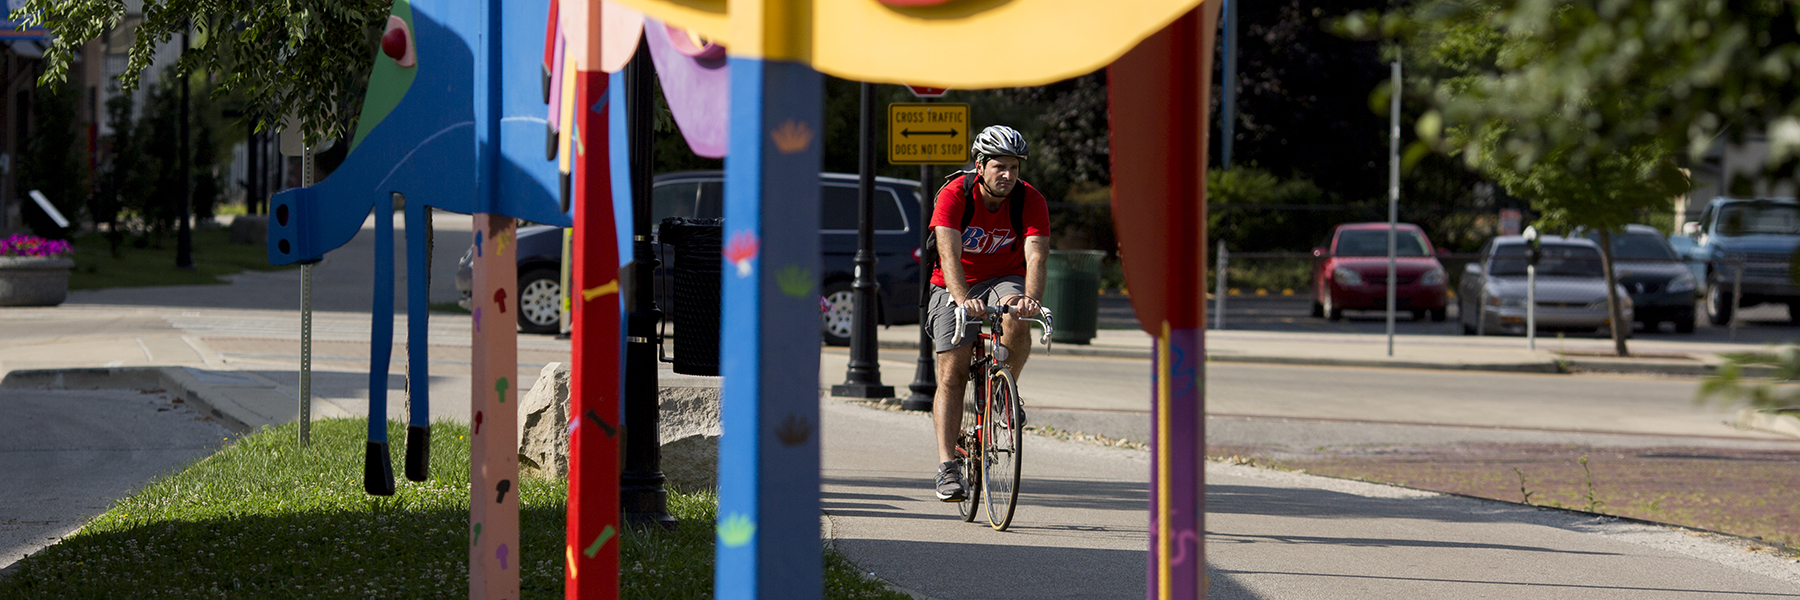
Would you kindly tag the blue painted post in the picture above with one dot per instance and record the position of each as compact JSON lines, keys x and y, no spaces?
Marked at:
{"x":768,"y":544}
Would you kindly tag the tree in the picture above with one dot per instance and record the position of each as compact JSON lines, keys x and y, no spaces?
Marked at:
{"x":121,"y":176}
{"x":52,"y":161}
{"x":310,"y":57}
{"x":1480,"y":72}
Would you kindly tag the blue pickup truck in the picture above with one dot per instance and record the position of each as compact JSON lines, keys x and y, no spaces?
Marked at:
{"x":1752,"y":237}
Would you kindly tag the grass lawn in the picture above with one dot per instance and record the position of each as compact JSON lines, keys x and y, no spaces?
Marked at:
{"x":263,"y":519}
{"x":214,"y":255}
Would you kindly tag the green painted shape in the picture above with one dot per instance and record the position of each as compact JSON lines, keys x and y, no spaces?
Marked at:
{"x":605,"y":534}
{"x":477,"y":540}
{"x":500,"y":386}
{"x":795,"y":281}
{"x":388,"y":81}
{"x":736,"y":530}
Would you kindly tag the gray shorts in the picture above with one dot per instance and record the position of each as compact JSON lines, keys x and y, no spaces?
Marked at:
{"x":943,"y":312}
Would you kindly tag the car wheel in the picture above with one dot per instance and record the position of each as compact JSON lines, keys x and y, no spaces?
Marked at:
{"x":1332,"y":312}
{"x":1718,"y":305}
{"x":540,"y":301}
{"x":1318,"y":309}
{"x":1439,"y":314}
{"x":1418,"y":314}
{"x":835,"y":321}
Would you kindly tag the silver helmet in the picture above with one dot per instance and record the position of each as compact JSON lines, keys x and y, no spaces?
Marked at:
{"x":999,"y":140}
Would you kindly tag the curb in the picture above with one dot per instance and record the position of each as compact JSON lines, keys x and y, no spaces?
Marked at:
{"x":173,"y":379}
{"x":1762,"y":420}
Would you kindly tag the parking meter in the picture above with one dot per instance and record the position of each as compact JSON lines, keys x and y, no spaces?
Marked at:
{"x":1535,"y":251}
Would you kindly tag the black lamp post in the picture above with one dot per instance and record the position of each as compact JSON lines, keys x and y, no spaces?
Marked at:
{"x":184,"y":237}
{"x":641,"y":493}
{"x":863,"y":378}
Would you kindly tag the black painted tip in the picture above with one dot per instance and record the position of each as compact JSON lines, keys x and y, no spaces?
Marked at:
{"x":378,"y":472}
{"x":551,"y":142}
{"x":418,"y":452}
{"x":566,"y":192}
{"x":547,"y":84}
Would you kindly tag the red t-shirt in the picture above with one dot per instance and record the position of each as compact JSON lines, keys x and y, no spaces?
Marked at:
{"x":986,"y":252}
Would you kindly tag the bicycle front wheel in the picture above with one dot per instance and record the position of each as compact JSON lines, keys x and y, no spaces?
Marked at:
{"x":1002,"y":448}
{"x":969,"y":448}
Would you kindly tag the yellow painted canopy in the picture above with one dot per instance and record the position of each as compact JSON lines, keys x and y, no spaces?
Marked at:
{"x":959,"y":43}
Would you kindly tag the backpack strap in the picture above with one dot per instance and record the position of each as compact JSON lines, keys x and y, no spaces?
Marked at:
{"x":1017,"y":208}
{"x":968,"y":181}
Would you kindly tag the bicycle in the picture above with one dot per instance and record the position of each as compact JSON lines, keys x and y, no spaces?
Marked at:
{"x":991,"y":448}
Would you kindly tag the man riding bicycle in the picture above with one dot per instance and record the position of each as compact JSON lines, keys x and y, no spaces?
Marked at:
{"x":1004,"y":226}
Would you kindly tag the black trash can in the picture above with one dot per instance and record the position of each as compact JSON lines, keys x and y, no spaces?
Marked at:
{"x":1073,"y":294}
{"x":696,"y":295}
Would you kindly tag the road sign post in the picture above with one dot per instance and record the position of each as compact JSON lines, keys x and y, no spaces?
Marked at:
{"x":935,"y":133}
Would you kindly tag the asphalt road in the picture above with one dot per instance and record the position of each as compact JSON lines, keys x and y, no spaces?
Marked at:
{"x":67,"y":455}
{"x":1304,"y":406}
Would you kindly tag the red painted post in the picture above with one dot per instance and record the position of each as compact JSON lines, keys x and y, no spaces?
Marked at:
{"x":1158,"y":110}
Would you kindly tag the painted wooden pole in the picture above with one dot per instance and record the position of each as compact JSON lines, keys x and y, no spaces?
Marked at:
{"x":768,"y":531}
{"x":494,"y":447}
{"x":596,"y":326}
{"x":1158,"y":105}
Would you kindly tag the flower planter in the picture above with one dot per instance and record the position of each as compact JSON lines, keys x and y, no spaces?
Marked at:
{"x":34,"y":281}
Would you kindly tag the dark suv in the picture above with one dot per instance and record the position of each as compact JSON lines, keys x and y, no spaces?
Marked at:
{"x":700,"y":195}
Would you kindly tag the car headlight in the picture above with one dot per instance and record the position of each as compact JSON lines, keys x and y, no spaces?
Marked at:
{"x":1506,"y":301}
{"x":1433,"y":277}
{"x":1681,"y":283}
{"x":1345,"y":276}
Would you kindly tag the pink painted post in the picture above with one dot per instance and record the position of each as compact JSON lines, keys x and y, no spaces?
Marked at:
{"x":494,"y":402}
{"x":1158,"y":110}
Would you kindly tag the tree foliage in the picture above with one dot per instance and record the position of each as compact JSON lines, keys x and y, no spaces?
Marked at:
{"x":1592,"y":77}
{"x":308,"y":57}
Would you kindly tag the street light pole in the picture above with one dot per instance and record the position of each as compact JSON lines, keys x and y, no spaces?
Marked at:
{"x":641,"y":493}
{"x":862,"y":379}
{"x":184,"y":238}
{"x":924,"y":385}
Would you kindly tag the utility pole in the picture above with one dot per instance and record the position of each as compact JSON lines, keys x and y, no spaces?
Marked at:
{"x":862,"y":379}
{"x":184,"y":239}
{"x":1228,"y":84}
{"x":1393,"y":197}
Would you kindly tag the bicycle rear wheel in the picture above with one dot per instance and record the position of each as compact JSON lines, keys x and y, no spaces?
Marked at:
{"x":1002,"y":448}
{"x":969,"y":447}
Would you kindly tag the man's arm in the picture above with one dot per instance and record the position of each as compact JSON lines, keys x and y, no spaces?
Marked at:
{"x":1037,"y":260}
{"x":949,"y":244}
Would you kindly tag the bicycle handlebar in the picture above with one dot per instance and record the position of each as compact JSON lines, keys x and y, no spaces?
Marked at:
{"x":994,"y":312}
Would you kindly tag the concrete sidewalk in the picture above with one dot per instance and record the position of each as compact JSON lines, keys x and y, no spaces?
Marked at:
{"x":1472,"y":353}
{"x":1080,"y":532}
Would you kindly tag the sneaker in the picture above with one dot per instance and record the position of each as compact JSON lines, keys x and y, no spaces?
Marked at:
{"x":950,"y":486}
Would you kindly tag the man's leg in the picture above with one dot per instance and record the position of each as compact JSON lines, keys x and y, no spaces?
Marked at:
{"x":1018,"y":343}
{"x":947,"y":406}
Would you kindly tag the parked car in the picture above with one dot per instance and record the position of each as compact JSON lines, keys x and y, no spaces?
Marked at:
{"x":700,"y":195}
{"x":1571,"y":288}
{"x":1662,"y":288}
{"x":1760,"y":236}
{"x":1350,"y":272}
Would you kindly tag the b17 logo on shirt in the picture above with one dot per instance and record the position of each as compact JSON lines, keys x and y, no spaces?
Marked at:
{"x":980,"y":241}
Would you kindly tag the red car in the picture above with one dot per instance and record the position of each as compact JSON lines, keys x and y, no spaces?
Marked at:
{"x":1350,"y":272}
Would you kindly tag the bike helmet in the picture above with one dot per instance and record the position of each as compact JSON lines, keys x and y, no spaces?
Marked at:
{"x":999,"y":140}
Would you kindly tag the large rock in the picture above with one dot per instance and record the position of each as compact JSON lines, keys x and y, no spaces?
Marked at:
{"x":688,"y":430}
{"x":249,"y":229}
{"x":544,"y":447}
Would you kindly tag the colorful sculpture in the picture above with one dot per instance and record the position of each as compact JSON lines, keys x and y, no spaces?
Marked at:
{"x":768,"y":467}
{"x":453,"y":120}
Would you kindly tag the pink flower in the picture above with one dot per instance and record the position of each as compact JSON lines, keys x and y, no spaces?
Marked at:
{"x":33,"y":246}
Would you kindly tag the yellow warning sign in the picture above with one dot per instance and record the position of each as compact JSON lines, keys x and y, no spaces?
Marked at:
{"x":935,"y":133}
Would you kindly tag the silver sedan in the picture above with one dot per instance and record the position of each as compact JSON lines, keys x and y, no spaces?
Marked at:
{"x":1571,"y":291}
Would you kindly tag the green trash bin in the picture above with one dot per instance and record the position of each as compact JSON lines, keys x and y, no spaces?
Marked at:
{"x":1073,"y":294}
